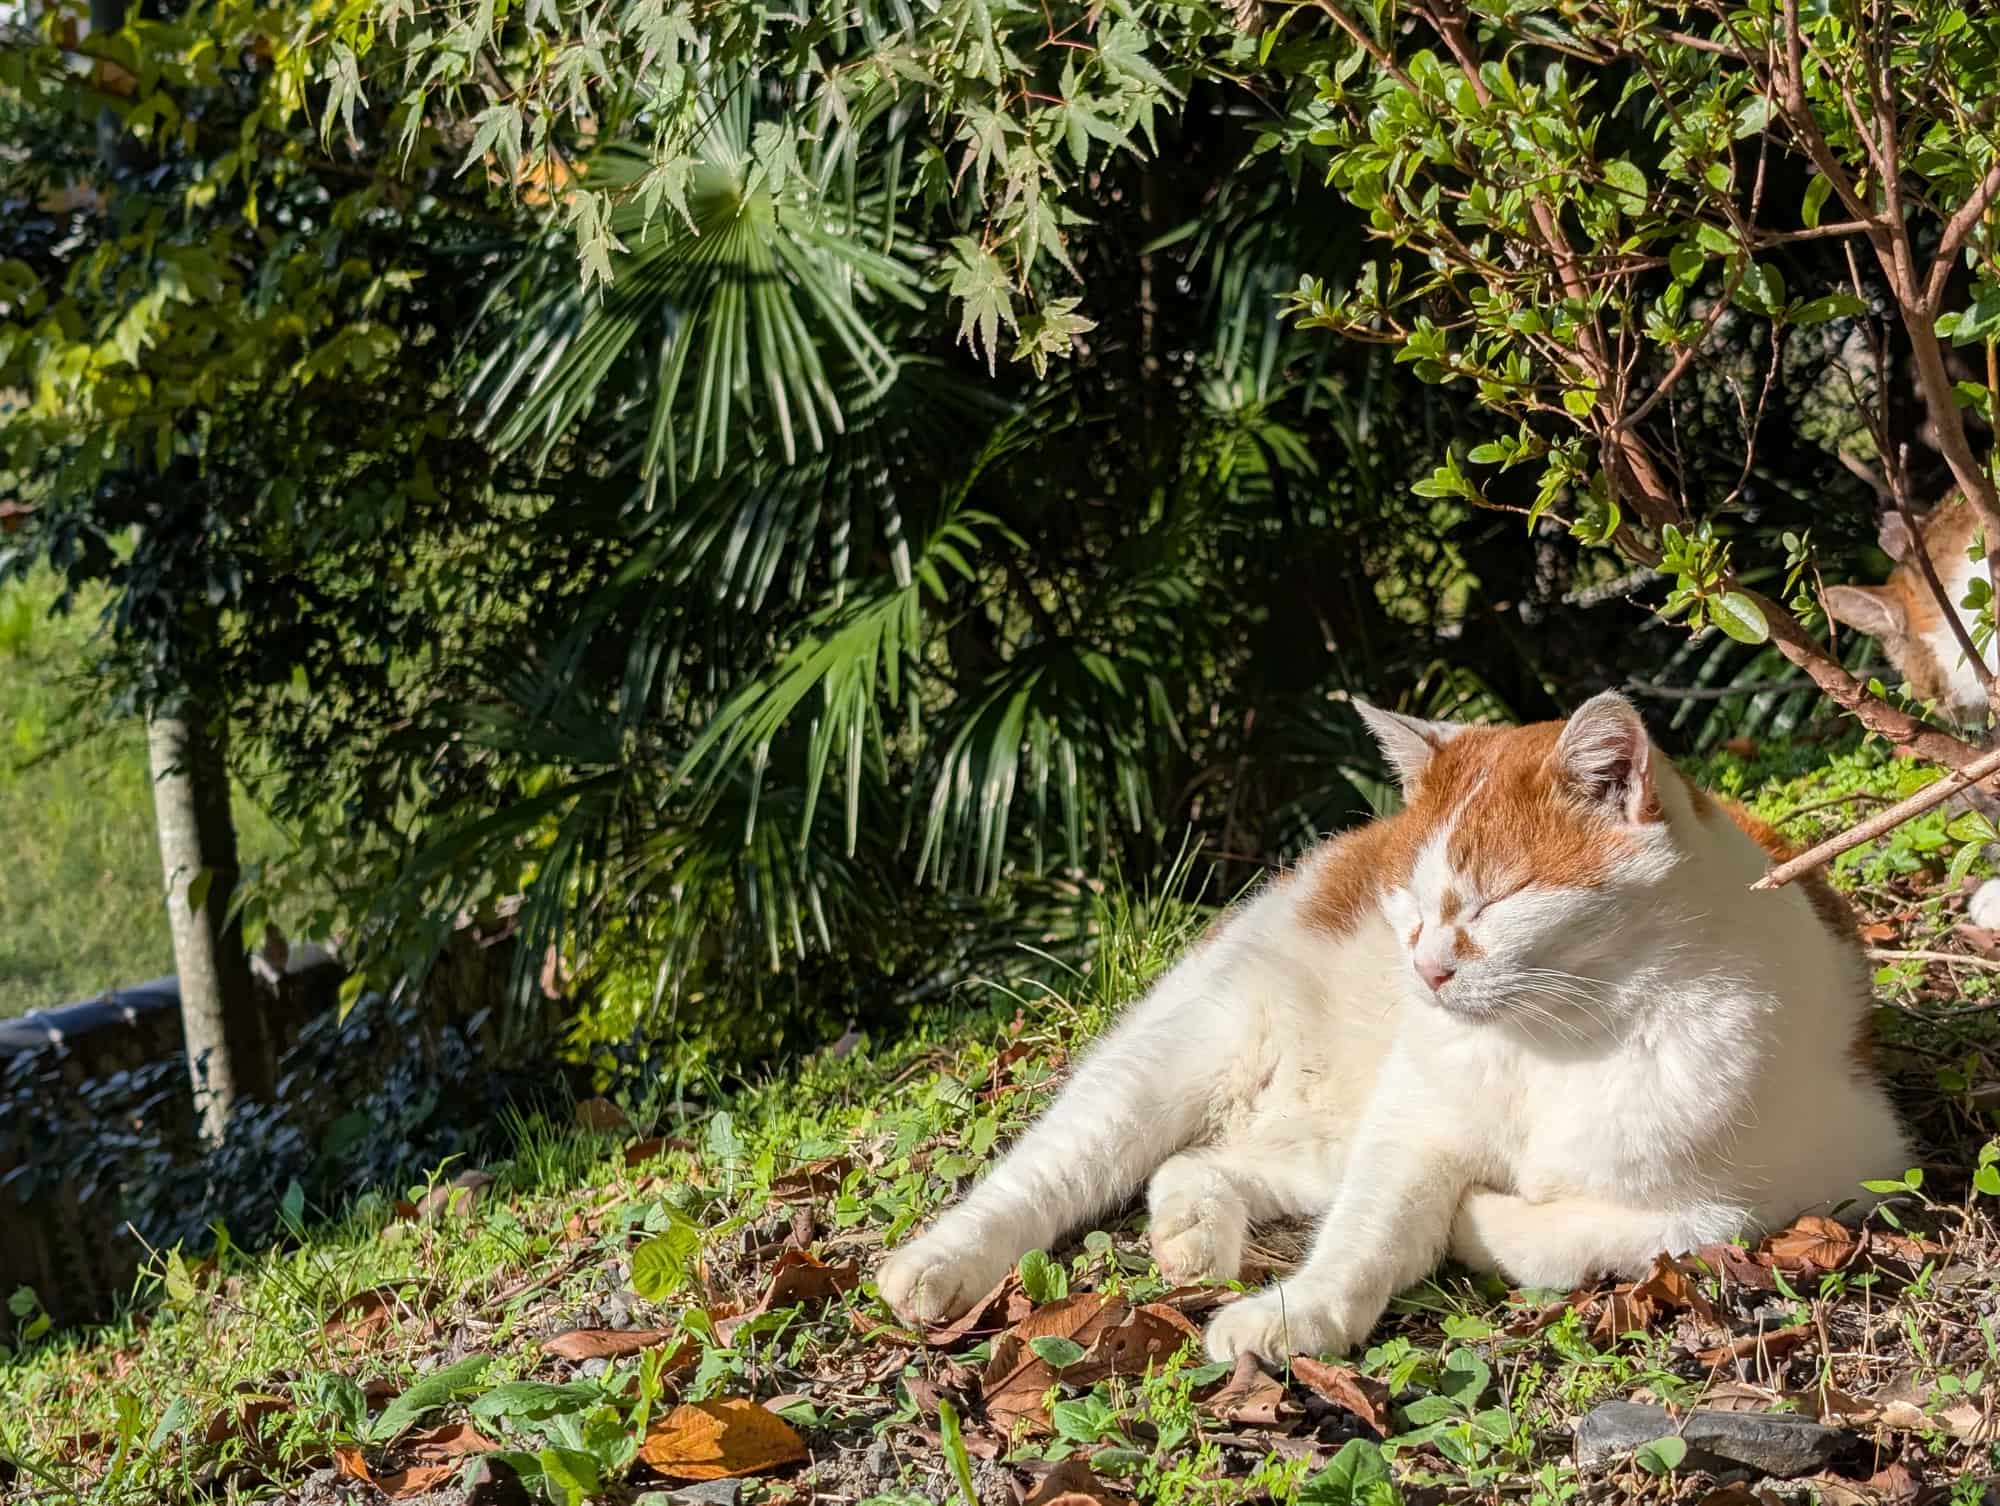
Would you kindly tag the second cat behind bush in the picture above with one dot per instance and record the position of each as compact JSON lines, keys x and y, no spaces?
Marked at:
{"x":1903,"y":615}
{"x":1535,"y":1020}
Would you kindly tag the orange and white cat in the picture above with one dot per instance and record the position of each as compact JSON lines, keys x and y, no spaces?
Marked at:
{"x":1904,"y":617}
{"x":1535,"y":1020}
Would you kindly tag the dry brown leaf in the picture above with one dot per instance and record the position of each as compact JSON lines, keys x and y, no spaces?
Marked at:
{"x":1738,"y":1495}
{"x":1636,"y":1306}
{"x":369,"y":1312}
{"x":802,"y":1278}
{"x":436,"y":1455}
{"x":979,"y":1442}
{"x":452,"y":1441}
{"x":1876,"y":932}
{"x":601,"y":1116}
{"x":1144,"y":1337}
{"x":1738,"y":1265}
{"x":799,"y":1279}
{"x":1969,"y":1420}
{"x":1249,"y":1396}
{"x":1193,"y":1301}
{"x":1837,"y":1490}
{"x":1770,"y":1345}
{"x":460,"y":1195}
{"x":613,"y":1343}
{"x":1071,"y":1483}
{"x":1904,"y":1405}
{"x":1529,"y":1324}
{"x":1016,"y":1378}
{"x":1674,"y":1287}
{"x":1741,"y":1396}
{"x":243,"y":1416}
{"x":719,"y":1440}
{"x":1001,"y":1080}
{"x":349,"y":1464}
{"x":1366,"y":1398}
{"x":1878,"y":1246}
{"x":396,"y":1484}
{"x":639,"y":1152}
{"x":1894,"y":1483}
{"x":821,"y":1179}
{"x":1811,"y":1244}
{"x":1000,"y":1308}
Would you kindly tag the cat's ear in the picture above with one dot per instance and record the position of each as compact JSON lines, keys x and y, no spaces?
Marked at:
{"x":1875,"y":610}
{"x":1408,"y":742}
{"x":1605,"y":754}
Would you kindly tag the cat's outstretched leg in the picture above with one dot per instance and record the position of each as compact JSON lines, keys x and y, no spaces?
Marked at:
{"x":1570,"y":1241}
{"x":1147,"y":1090}
{"x":1203,"y":1202}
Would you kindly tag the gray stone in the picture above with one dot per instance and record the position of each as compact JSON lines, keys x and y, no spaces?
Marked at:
{"x":1772,"y":1443}
{"x":876,"y":1463}
{"x":707,"y":1493}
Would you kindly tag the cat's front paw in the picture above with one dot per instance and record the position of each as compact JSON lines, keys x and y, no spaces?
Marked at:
{"x":1285,"y":1320}
{"x":1196,"y":1235}
{"x":936,"y":1277}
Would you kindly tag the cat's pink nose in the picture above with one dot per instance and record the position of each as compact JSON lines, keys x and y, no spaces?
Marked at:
{"x":1435,"y":974}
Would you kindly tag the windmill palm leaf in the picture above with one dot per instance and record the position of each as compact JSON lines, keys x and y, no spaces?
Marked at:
{"x":759,"y":302}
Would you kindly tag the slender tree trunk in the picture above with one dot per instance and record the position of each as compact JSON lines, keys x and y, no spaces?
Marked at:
{"x":228,"y":1049}
{"x":230,"y":1052}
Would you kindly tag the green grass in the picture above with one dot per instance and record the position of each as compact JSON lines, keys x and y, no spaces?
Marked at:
{"x":82,"y":910}
{"x":236,"y":1378}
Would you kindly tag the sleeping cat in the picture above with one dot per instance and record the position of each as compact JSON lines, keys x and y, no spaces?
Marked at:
{"x":1535,"y":1020}
{"x":1903,"y":616}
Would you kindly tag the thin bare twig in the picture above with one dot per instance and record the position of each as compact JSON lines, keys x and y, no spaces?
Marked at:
{"x":1858,"y":797}
{"x":1983,"y":767}
{"x":1896,"y":726}
{"x":1712,"y":692}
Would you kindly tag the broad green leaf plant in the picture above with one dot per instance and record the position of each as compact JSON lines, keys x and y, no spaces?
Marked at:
{"x":1584,"y":209}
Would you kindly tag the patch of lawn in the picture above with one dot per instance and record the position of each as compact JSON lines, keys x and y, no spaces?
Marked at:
{"x":655,"y":1285}
{"x":82,"y":911}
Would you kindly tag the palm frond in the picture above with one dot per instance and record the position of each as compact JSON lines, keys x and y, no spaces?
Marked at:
{"x":750,"y":309}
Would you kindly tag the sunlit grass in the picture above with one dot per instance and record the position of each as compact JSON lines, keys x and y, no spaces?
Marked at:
{"x":82,"y":909}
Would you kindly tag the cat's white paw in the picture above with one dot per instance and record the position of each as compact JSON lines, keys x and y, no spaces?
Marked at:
{"x":1285,"y":1320}
{"x":936,"y":1277}
{"x":1197,"y":1227}
{"x":1984,"y":907}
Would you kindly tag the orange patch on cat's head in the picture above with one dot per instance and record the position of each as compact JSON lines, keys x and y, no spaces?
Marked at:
{"x":1516,"y":815}
{"x":1516,"y":806}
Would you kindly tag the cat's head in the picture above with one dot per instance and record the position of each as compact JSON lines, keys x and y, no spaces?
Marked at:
{"x":1902,"y":613}
{"x":1523,"y":854}
{"x":1901,"y":616}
